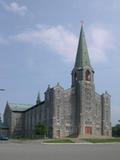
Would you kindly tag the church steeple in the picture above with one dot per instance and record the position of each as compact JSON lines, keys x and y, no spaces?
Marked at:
{"x":82,"y":57}
{"x":82,"y":70}
{"x":38,"y":98}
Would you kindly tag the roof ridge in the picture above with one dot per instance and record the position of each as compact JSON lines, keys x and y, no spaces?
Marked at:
{"x":20,"y":103}
{"x":19,"y":107}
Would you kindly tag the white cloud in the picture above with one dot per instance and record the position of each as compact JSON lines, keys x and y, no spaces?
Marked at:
{"x":14,"y":7}
{"x":57,"y":38}
{"x":100,"y":42}
{"x":3,"y":40}
{"x":63,"y":42}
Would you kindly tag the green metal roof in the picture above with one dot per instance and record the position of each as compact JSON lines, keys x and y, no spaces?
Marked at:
{"x":82,"y":58}
{"x":19,"y":107}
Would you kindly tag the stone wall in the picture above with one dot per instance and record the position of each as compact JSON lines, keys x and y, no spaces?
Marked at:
{"x":106,"y":114}
{"x":32,"y":116}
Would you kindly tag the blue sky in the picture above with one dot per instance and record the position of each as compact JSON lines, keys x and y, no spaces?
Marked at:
{"x":38,"y":43}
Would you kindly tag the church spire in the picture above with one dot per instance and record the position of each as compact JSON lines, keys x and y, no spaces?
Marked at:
{"x":38,"y":98}
{"x":82,"y":58}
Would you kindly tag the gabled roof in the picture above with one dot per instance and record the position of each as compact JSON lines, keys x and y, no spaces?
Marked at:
{"x":19,"y":107}
{"x":82,"y":57}
{"x":36,"y":105}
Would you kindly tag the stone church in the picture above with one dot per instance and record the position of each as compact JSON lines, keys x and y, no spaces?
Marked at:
{"x":77,"y":111}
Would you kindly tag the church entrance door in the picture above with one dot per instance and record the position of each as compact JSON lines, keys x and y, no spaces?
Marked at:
{"x":88,"y":130}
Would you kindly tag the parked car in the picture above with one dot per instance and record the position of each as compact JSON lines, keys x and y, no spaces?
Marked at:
{"x":2,"y":137}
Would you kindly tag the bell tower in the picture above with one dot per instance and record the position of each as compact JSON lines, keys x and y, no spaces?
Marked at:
{"x":83,"y":82}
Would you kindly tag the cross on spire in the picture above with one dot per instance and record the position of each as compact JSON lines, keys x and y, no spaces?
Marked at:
{"x":82,"y":22}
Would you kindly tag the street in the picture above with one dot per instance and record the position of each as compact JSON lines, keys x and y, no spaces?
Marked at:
{"x":37,"y":151}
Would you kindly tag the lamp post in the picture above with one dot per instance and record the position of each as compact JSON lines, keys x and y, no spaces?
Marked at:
{"x":2,"y":89}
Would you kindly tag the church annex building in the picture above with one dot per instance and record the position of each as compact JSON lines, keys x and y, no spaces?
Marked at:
{"x":77,"y":111}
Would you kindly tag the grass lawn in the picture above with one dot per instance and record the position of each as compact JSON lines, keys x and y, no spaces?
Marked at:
{"x":58,"y":141}
{"x":112,"y":140}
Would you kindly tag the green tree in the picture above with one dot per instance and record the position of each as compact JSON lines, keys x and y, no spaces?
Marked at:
{"x":116,"y":130}
{"x":40,"y":130}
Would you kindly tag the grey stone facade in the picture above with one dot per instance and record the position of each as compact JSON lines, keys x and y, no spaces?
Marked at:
{"x":77,"y":111}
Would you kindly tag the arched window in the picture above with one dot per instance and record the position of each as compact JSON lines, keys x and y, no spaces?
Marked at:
{"x":87,"y":75}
